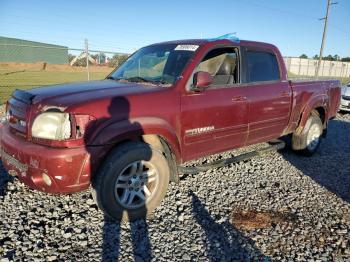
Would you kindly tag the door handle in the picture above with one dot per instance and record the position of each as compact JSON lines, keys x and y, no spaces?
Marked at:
{"x":238,"y":98}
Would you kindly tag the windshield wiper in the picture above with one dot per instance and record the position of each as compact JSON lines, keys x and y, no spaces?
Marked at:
{"x":138,"y":79}
{"x":161,"y":82}
{"x":114,"y":78}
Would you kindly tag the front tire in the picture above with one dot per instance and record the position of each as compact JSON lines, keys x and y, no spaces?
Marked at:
{"x":131,"y":182}
{"x":308,"y":141}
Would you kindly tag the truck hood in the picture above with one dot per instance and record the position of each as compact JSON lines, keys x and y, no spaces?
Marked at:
{"x":71,"y":93}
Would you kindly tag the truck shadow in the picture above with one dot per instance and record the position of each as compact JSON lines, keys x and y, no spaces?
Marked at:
{"x":223,"y":242}
{"x":329,"y":166}
{"x":114,"y":232}
{"x":112,"y":238}
{"x":5,"y":178}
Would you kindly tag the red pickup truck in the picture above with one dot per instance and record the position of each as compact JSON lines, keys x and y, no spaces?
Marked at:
{"x":169,"y":103}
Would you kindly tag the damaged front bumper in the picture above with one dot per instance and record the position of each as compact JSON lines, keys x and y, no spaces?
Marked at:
{"x":52,"y":170}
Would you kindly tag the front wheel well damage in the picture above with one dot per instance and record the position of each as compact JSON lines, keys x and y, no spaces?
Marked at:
{"x":160,"y":143}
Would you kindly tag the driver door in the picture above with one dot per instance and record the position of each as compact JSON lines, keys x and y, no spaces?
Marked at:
{"x":215,"y":119}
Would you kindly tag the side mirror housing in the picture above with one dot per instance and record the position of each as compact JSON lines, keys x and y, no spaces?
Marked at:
{"x":201,"y":80}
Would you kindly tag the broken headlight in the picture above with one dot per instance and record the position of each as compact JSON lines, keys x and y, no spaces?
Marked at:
{"x":52,"y":125}
{"x":5,"y":118}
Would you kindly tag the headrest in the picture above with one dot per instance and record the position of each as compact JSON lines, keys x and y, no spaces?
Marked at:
{"x":226,"y":67}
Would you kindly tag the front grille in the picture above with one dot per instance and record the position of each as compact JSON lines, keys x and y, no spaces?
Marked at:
{"x":18,"y":106}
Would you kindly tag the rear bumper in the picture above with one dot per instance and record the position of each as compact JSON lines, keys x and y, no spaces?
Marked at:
{"x":52,"y":170}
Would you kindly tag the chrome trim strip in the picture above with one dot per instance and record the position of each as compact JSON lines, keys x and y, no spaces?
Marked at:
{"x":13,"y":161}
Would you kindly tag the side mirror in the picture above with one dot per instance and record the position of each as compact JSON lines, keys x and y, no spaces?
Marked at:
{"x":202,"y":80}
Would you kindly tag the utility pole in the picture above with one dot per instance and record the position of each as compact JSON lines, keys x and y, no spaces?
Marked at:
{"x":87,"y":58}
{"x":329,"y":3}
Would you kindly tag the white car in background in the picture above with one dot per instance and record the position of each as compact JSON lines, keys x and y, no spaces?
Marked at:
{"x":345,"y":98}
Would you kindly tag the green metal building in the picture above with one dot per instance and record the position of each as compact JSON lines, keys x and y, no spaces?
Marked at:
{"x":18,"y":50}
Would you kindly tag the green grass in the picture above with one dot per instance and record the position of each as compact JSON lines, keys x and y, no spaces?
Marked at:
{"x":10,"y":79}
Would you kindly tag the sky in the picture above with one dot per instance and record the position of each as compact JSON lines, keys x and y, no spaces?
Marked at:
{"x":125,"y":26}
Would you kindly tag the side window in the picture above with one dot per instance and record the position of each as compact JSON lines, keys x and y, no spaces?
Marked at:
{"x":262,"y":66}
{"x":222,"y":64}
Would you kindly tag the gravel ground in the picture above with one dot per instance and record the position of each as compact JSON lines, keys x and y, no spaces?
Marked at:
{"x":279,"y":207}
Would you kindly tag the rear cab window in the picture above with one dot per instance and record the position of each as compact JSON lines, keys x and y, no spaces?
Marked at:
{"x":260,"y":66}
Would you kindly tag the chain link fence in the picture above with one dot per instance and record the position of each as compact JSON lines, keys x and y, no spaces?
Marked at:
{"x":28,"y":65}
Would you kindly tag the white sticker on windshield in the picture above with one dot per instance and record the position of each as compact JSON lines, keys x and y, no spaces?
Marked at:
{"x":187,"y":47}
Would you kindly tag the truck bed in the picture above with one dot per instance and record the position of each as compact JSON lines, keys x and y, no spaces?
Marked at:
{"x":307,"y":94}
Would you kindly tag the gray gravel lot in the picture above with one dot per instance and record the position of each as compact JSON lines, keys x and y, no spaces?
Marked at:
{"x":280,"y":207}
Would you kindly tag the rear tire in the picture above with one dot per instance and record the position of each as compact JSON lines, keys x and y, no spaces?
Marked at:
{"x":309,"y":139}
{"x":131,"y":182}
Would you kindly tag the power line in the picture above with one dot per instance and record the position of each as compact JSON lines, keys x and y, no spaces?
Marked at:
{"x":339,"y":29}
{"x":288,"y":12}
{"x":293,"y":14}
{"x":81,"y":27}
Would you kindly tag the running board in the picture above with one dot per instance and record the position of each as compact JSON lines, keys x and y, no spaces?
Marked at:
{"x":274,"y":146}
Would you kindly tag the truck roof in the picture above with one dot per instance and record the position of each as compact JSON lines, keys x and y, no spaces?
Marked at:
{"x":204,"y":41}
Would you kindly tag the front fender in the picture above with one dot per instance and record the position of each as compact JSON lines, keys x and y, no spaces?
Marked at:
{"x":132,"y":129}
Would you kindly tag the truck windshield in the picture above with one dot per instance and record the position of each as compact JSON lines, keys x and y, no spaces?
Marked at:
{"x":157,"y":64}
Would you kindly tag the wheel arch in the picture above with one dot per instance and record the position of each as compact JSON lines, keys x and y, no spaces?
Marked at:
{"x":154,"y":131}
{"x":317,"y":106}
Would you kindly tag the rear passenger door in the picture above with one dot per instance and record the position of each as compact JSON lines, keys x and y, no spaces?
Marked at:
{"x":269,"y":97}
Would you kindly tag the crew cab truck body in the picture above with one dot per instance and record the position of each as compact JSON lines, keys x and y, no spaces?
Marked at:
{"x":167,"y":104}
